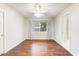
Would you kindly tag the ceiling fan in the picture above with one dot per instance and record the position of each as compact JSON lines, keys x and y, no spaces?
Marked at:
{"x":38,"y":10}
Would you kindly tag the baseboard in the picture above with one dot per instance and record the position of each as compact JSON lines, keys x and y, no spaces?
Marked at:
{"x":21,"y":42}
{"x":67,"y":49}
{"x":39,"y":39}
{"x":13,"y":47}
{"x":72,"y":52}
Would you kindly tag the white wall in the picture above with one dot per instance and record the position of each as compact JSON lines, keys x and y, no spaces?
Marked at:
{"x":14,"y":27}
{"x":73,"y":17}
{"x":51,"y":32}
{"x":42,"y":35}
{"x":27,"y":28}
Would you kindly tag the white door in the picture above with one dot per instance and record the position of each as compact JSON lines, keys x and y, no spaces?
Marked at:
{"x":65,"y":31}
{"x":39,"y":30}
{"x":1,"y":32}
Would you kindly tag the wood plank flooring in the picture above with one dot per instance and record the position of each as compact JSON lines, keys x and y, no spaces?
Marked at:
{"x":38,"y":48}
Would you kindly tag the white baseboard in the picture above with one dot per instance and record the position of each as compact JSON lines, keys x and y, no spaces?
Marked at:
{"x":50,"y":39}
{"x":72,"y":52}
{"x":67,"y":49}
{"x":13,"y":46}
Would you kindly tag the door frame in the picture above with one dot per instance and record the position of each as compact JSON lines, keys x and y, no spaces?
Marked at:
{"x":3,"y":12}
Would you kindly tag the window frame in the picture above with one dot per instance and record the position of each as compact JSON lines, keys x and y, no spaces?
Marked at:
{"x":39,"y":22}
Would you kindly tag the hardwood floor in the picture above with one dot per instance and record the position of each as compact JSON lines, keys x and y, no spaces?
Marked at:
{"x":38,"y":48}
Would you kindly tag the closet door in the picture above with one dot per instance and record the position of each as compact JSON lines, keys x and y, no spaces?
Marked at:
{"x":1,"y":32}
{"x":65,"y":31}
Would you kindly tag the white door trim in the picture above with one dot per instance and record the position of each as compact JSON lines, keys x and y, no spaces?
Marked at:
{"x":3,"y":35}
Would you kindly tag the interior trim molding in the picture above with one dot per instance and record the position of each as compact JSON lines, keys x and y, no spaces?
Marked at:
{"x":66,"y":49}
{"x":39,"y":39}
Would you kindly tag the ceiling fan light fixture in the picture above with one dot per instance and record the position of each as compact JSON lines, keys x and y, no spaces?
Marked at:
{"x":38,"y":11}
{"x":38,"y":14}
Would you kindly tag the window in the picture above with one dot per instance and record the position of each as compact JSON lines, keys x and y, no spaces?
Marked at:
{"x":40,"y":26}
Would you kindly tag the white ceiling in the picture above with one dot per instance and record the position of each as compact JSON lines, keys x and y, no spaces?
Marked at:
{"x":28,"y":9}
